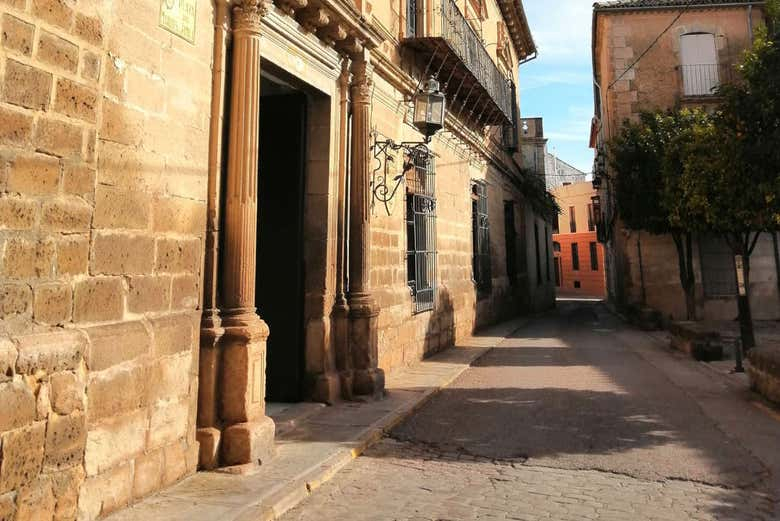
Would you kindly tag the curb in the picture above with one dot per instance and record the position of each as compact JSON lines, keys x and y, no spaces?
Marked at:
{"x":288,"y":495}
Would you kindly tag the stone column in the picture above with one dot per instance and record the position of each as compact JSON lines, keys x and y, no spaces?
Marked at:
{"x":341,"y":308}
{"x":209,"y":434}
{"x":248,"y":435}
{"x":363,"y":311}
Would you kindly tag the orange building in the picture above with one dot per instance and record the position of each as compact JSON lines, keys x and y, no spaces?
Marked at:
{"x":579,"y":257}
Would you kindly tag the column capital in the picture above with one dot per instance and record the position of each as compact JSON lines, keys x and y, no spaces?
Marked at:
{"x":248,"y":15}
{"x":362,"y":77}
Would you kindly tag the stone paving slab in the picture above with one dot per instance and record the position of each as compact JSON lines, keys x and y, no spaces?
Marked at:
{"x":313,"y":449}
{"x":404,"y":481}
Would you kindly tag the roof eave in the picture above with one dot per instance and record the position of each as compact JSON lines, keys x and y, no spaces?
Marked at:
{"x":519,"y":30}
{"x":607,"y":9}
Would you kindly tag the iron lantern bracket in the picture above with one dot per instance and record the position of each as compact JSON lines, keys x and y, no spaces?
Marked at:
{"x":382,"y":190}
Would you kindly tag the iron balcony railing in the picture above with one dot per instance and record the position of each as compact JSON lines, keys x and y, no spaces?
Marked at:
{"x":703,"y":80}
{"x":450,"y":39}
{"x":468,"y":46}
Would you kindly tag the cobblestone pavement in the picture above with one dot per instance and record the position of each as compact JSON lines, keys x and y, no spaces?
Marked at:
{"x":411,"y":482}
{"x":567,"y":420}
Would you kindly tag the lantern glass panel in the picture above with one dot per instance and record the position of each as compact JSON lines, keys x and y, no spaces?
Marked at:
{"x":420,"y":108}
{"x":436,"y":110}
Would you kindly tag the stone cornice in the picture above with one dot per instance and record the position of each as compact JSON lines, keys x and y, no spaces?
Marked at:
{"x":517,"y":23}
{"x":337,"y":22}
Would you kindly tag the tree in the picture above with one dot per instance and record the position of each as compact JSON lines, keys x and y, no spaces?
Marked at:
{"x":649,"y":159}
{"x":732,"y":168}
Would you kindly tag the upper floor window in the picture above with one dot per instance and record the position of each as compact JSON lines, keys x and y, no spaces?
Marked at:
{"x":572,"y":220}
{"x":575,"y":256}
{"x":504,"y":46}
{"x":478,"y":8}
{"x":411,"y":18}
{"x":591,"y":219}
{"x":699,"y":64}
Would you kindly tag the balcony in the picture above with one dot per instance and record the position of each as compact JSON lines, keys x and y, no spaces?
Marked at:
{"x":448,"y":46}
{"x":703,"y":80}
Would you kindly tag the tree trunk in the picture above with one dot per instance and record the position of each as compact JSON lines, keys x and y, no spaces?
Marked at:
{"x":777,"y":261}
{"x":684,"y":245}
{"x":690,"y":288}
{"x":641,"y":268}
{"x":743,"y":299}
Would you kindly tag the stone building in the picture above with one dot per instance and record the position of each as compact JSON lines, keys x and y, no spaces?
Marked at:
{"x":691,"y":57}
{"x":579,"y":256}
{"x":193,"y":219}
{"x":537,"y":158}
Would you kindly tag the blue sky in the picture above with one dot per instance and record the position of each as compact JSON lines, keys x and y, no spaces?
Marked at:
{"x":558,"y":84}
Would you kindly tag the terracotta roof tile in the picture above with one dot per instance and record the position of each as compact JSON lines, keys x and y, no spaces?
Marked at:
{"x":642,"y":4}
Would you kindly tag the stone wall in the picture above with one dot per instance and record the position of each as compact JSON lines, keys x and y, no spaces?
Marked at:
{"x":103,"y":168}
{"x":655,"y":83}
{"x":406,"y":336}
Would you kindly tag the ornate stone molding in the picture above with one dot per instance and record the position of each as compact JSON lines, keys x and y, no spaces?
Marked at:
{"x":362,"y":79}
{"x":248,"y":15}
{"x":312,"y":18}
{"x":291,"y":6}
{"x":332,"y":33}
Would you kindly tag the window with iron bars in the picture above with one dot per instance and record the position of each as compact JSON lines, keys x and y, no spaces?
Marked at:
{"x":480,"y":230}
{"x":421,"y":229}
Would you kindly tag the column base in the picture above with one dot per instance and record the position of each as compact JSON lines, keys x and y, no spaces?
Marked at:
{"x":209,"y":441}
{"x":369,"y":382}
{"x":347,"y":385}
{"x":251,"y":442}
{"x":368,"y":379}
{"x":242,"y":373}
{"x":326,"y":388}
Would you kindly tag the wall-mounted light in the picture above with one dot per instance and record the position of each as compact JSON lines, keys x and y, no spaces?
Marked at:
{"x":429,"y":109}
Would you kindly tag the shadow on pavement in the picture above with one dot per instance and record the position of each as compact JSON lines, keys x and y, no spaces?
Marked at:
{"x":564,"y":392}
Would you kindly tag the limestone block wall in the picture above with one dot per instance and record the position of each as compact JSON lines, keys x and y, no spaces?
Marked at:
{"x":405,"y":336}
{"x":103,"y":167}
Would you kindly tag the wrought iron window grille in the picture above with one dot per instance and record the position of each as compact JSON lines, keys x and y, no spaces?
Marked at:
{"x":421,"y":231}
{"x":480,"y":222}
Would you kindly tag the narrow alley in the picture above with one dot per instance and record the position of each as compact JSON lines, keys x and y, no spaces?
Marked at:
{"x":575,"y":416}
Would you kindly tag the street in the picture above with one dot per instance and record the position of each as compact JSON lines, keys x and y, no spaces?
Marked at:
{"x":575,"y":416}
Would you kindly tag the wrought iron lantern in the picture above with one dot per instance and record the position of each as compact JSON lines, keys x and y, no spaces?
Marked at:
{"x":429,"y":109}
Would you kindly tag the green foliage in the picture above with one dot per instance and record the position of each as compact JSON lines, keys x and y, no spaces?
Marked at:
{"x":649,"y":157}
{"x":732,"y":170}
{"x":772,"y":8}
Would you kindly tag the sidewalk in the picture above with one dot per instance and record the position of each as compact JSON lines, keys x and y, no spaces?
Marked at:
{"x":314,"y":446}
{"x":725,"y":397}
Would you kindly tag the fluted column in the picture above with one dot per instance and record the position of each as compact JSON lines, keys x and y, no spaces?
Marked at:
{"x":248,"y":433}
{"x":363,"y":311}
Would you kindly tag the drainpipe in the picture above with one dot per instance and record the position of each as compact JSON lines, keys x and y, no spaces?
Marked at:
{"x":527,"y":59}
{"x":750,"y":21}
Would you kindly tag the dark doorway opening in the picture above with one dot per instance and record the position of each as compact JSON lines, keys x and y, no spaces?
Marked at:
{"x":280,"y":274}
